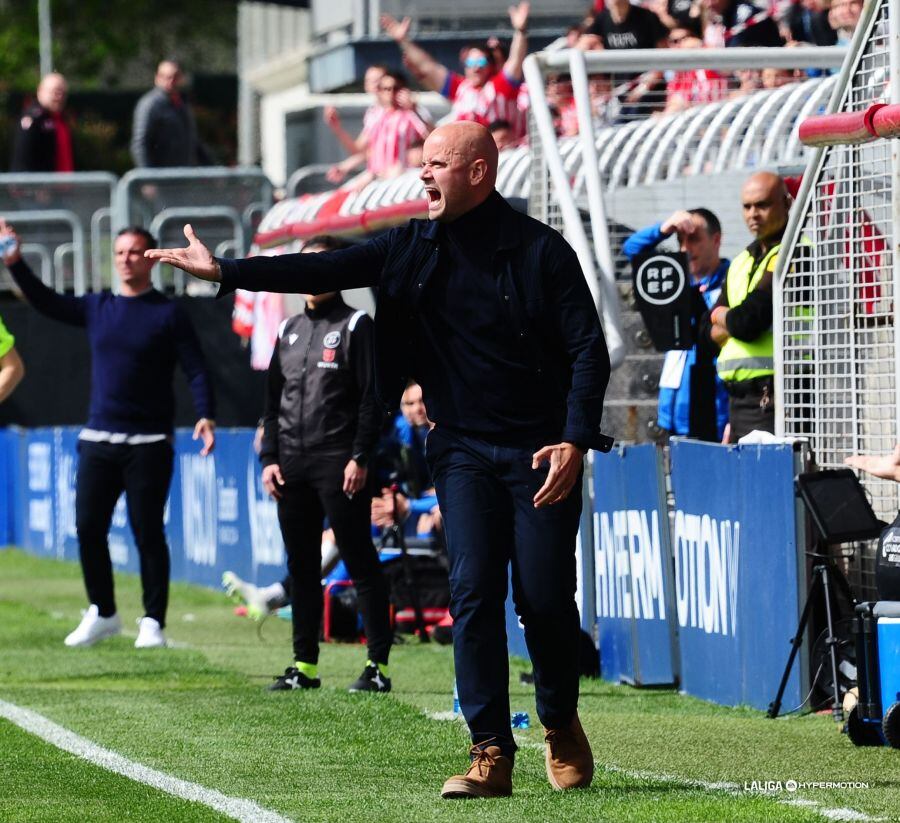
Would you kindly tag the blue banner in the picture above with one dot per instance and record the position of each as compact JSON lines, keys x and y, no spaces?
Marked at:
{"x":735,"y":552}
{"x":632,"y":567}
{"x":217,"y":516}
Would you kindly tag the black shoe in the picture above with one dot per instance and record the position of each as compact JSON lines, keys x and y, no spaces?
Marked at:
{"x":293,"y":678}
{"x":371,"y":680}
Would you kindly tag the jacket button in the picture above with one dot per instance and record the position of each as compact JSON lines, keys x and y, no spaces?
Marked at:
{"x":420,"y":284}
{"x":506,"y":297}
{"x":521,"y":334}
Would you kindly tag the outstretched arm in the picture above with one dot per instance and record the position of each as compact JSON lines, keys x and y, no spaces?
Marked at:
{"x":886,"y":466}
{"x":427,"y":70}
{"x":356,"y":267}
{"x":518,"y":48}
{"x":62,"y":307}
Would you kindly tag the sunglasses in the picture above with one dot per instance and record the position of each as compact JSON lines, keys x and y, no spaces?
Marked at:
{"x":476,"y":62}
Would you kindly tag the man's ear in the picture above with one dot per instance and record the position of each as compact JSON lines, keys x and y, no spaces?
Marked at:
{"x":477,"y":172}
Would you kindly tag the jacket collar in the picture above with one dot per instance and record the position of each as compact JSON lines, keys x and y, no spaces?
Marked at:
{"x":508,"y":232}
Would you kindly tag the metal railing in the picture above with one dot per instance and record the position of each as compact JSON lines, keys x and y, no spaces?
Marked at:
{"x":67,"y":221}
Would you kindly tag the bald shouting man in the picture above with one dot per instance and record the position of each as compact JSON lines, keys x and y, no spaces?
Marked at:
{"x":490,"y":312}
{"x":740,"y":323}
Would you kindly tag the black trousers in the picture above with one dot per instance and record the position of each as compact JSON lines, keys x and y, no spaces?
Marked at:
{"x":144,"y":473}
{"x":486,"y":496}
{"x":751,"y":405}
{"x":312,"y":491}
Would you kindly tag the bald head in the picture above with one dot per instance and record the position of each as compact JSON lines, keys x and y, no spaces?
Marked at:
{"x":51,"y":92}
{"x":765,"y":202}
{"x":459,"y":169}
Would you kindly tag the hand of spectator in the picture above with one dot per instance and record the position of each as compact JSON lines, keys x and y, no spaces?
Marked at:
{"x":14,"y":253}
{"x":679,"y":221}
{"x":717,"y":316}
{"x":205,"y":430}
{"x":404,"y":100}
{"x":335,"y":174}
{"x":354,"y":477}
{"x":396,"y":29}
{"x":566,"y":461}
{"x":885,"y":466}
{"x":331,"y":117}
{"x":518,"y":16}
{"x":196,"y":259}
{"x":272,"y":481}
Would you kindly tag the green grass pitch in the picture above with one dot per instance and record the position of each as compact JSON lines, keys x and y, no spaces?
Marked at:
{"x":200,"y":712}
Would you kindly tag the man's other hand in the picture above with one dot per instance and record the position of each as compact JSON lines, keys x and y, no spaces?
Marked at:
{"x":565,"y":461}
{"x":354,"y":478}
{"x":205,"y":430}
{"x":272,"y":480}
{"x":196,"y":259}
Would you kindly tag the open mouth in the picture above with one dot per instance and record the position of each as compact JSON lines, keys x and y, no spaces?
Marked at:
{"x":433,"y":196}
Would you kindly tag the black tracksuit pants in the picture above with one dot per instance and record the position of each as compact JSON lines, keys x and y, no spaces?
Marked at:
{"x":144,"y":473}
{"x":312,"y":491}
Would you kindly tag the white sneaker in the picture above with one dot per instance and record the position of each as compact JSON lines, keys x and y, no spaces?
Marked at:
{"x":256,"y":600}
{"x":150,"y":634}
{"x":93,"y":628}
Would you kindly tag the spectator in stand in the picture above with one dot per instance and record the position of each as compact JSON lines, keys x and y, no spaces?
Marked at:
{"x":353,"y":145}
{"x":749,"y":81}
{"x":843,"y":18}
{"x":389,"y":135}
{"x":624,"y":26}
{"x":806,"y":21}
{"x":692,"y":399}
{"x":561,"y":98}
{"x":164,"y":132}
{"x":744,"y":23}
{"x":776,"y":78}
{"x":43,"y":140}
{"x":502,"y":132}
{"x":694,"y":86}
{"x":483,"y":94}
{"x":12,"y":369}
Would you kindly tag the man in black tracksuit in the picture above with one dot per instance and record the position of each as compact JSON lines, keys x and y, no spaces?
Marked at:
{"x":320,"y":425}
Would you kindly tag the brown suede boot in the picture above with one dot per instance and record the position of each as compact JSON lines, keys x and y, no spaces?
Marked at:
{"x":489,"y":775}
{"x":570,"y":762}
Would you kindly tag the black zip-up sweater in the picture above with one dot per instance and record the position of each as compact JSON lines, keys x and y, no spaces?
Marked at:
{"x":550,"y":308}
{"x":320,"y":398}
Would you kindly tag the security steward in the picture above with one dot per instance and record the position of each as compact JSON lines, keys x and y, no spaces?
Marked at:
{"x":489,"y":310}
{"x":320,"y":425}
{"x":740,"y":323}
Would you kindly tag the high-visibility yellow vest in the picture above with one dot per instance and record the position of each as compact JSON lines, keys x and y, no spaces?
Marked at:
{"x":743,"y":360}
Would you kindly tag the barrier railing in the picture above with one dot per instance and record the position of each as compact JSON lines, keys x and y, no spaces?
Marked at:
{"x":94,"y":205}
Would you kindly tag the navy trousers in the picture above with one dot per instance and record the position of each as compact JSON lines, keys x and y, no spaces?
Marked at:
{"x":486,"y":493}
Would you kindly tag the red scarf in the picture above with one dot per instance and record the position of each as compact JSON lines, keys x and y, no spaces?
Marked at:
{"x":64,"y":159}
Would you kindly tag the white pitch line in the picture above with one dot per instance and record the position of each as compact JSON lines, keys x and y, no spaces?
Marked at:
{"x":238,"y":808}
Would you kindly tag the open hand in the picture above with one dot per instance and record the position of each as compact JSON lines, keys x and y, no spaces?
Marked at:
{"x":885,"y":466}
{"x":205,"y":430}
{"x":196,"y":259}
{"x":518,"y":16}
{"x":566,"y":461}
{"x":354,"y":477}
{"x":396,"y":29}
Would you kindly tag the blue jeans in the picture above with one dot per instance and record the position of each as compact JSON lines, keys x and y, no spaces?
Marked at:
{"x":486,"y":493}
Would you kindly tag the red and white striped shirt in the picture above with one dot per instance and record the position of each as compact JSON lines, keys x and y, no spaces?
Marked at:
{"x":497,"y":99}
{"x":390,"y":135}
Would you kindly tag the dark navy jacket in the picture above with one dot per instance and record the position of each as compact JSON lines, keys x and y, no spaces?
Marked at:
{"x":552,"y":303}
